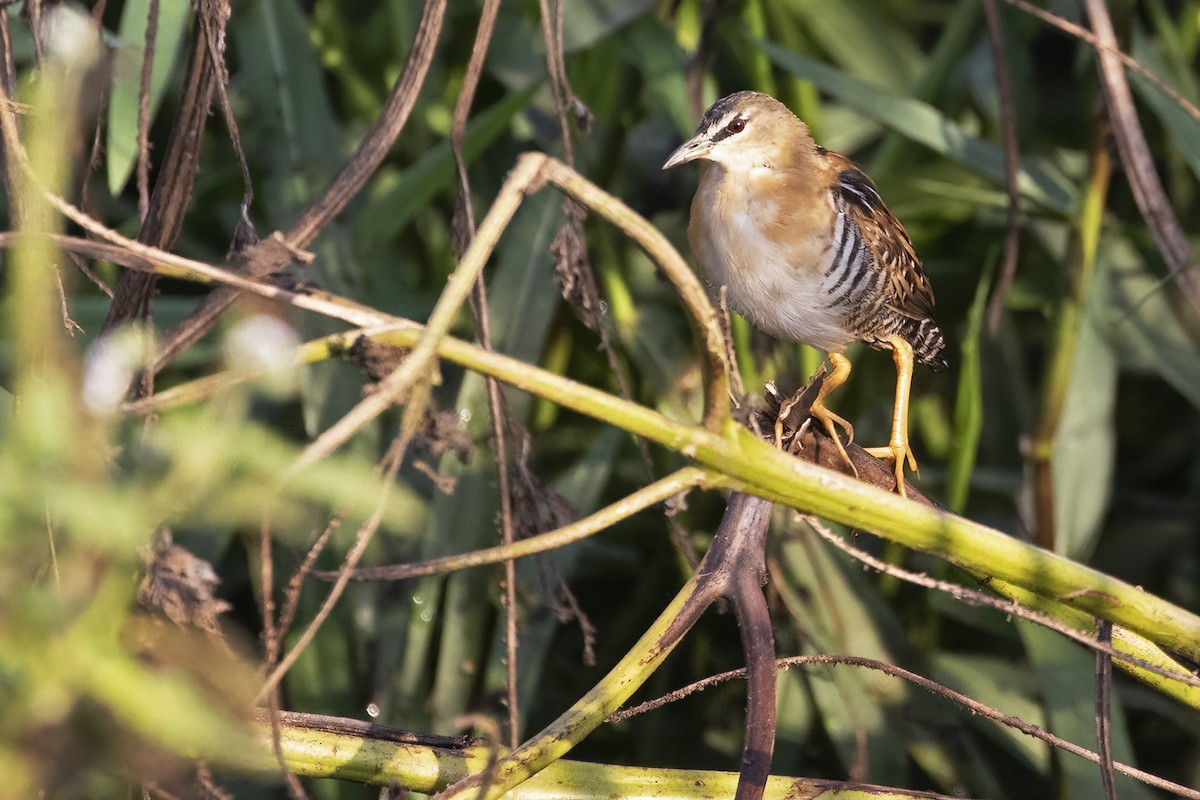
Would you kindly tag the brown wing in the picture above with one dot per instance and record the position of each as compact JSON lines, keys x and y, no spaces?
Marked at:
{"x":910,"y":293}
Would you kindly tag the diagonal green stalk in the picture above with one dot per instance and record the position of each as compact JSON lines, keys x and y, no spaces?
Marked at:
{"x":593,"y":708}
{"x":733,"y":567}
{"x":657,"y":492}
{"x":757,"y":468}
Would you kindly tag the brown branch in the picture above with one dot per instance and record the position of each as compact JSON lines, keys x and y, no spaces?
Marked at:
{"x":1068,"y":27}
{"x":1148,"y":192}
{"x":266,"y":568}
{"x":560,"y":85}
{"x":368,"y":730}
{"x":1104,"y":711}
{"x":143,"y":117}
{"x":462,"y":110}
{"x":143,"y":258}
{"x":8,"y":68}
{"x":95,"y":279}
{"x":214,"y":17}
{"x":172,"y":193}
{"x":392,"y":119}
{"x":11,"y":150}
{"x":96,"y":155}
{"x":745,"y":592}
{"x":409,"y":425}
{"x":291,"y":594}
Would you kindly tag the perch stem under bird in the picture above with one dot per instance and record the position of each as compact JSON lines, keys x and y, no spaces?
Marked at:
{"x":809,"y":251}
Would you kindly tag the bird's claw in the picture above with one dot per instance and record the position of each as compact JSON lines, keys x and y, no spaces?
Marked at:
{"x":899,"y":453}
{"x":832,"y":421}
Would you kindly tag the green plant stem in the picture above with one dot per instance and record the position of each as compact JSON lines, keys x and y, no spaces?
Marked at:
{"x":757,"y":468}
{"x":733,"y":567}
{"x":574,"y":725}
{"x":1084,"y":245}
{"x":760,"y":469}
{"x":657,"y":492}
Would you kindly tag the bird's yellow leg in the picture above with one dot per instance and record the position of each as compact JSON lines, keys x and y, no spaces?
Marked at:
{"x":838,"y":376}
{"x":897,"y":449}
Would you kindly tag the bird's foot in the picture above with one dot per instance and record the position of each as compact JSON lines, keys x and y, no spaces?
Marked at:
{"x":899,"y":453}
{"x":787,"y":407}
{"x":832,"y":422}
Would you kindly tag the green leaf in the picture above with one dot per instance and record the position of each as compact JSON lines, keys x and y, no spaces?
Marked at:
{"x":173,"y":19}
{"x":968,"y":403}
{"x":999,"y":683}
{"x":1085,"y":442}
{"x":925,"y":124}
{"x":841,"y":615}
{"x":860,"y":37}
{"x":1140,"y":321}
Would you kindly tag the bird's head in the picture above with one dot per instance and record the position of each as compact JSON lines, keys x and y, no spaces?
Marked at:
{"x":746,"y":129}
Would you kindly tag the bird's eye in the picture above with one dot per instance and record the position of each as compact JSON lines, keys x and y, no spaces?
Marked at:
{"x":736,"y":125}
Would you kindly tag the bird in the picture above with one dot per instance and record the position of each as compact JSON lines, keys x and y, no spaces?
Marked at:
{"x":807,"y":250}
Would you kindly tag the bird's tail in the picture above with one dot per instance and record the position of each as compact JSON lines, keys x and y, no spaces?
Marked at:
{"x":927,"y":343}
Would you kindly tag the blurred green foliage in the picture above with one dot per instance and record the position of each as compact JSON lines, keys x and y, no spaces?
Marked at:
{"x":904,"y":87}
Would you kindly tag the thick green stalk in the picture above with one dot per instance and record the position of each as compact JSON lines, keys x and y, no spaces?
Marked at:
{"x":757,"y":468}
{"x":574,"y":725}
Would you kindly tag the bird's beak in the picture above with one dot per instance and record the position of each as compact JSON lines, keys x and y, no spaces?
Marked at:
{"x":696,"y":147}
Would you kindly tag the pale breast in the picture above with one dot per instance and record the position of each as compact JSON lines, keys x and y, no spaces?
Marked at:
{"x":772,"y":257}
